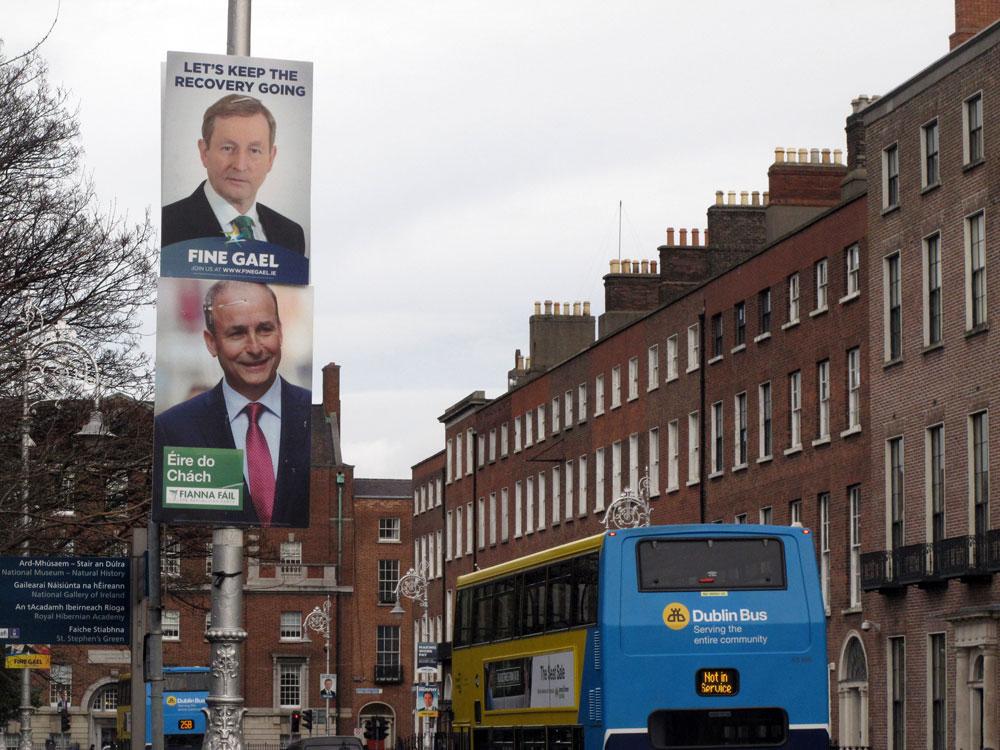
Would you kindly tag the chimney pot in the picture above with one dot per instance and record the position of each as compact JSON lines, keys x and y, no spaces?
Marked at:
{"x":744,"y":198}
{"x":755,"y":198}
{"x":670,"y":232}
{"x":838,"y":156}
{"x":538,"y":308}
{"x":826,"y":156}
{"x":576,"y":309}
{"x":704,"y":236}
{"x":616,"y":266}
{"x":684,"y":237}
{"x":565,"y":308}
{"x":779,"y":155}
{"x":766,"y":197}
{"x":527,"y":363}
{"x":695,"y":242}
{"x":791,"y":155}
{"x":731,"y":198}
{"x":803,"y":156}
{"x":626,"y":265}
{"x":586,"y":309}
{"x":645,"y":266}
{"x":652,"y":266}
{"x":718,"y":197}
{"x":555,"y":309}
{"x":814,"y":156}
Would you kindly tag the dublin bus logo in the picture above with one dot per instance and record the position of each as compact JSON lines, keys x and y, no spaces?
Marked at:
{"x":676,"y":616}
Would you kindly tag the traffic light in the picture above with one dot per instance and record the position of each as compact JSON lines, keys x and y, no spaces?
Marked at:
{"x":307,"y":720}
{"x":369,"y":730}
{"x":64,"y":720}
{"x":296,"y":718}
{"x":381,"y":728}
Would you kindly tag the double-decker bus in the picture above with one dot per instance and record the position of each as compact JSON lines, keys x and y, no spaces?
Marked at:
{"x":688,"y":636}
{"x":184,"y":692}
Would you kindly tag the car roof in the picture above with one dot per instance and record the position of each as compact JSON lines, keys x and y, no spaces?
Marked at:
{"x":325,"y":743}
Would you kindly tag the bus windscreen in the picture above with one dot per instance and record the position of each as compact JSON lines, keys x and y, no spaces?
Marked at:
{"x":711,"y":564}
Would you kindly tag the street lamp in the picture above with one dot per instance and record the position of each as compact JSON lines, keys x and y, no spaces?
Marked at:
{"x":631,"y":509}
{"x":413,"y":586}
{"x":55,"y":366}
{"x":319,"y":621}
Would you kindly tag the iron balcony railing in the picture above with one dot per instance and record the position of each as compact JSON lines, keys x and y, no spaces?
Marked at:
{"x":388,"y":673}
{"x":970,"y":556}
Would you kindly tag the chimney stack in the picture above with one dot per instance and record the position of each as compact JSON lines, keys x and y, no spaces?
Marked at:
{"x":971,"y":17}
{"x":331,"y":391}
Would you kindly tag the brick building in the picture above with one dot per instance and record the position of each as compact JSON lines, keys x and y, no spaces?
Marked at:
{"x":820,"y":354}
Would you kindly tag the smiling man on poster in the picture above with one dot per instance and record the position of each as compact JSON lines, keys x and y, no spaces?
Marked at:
{"x":252,"y":409}
{"x":237,"y":149}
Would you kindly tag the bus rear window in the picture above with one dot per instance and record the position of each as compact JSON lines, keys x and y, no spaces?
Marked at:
{"x":711,"y":563}
{"x":738,"y":727}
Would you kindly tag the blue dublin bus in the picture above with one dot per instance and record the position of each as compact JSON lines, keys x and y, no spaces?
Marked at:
{"x":184,"y":692}
{"x":695,"y":636}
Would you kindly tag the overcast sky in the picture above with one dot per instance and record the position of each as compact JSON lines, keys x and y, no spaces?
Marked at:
{"x":469,"y":156}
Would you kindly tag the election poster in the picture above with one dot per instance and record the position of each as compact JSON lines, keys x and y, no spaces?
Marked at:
{"x":236,"y":156}
{"x":231,"y":421}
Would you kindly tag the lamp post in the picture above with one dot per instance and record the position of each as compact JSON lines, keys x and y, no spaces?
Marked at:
{"x":413,"y":585}
{"x":319,"y":621}
{"x":55,"y":367}
{"x":631,"y":509}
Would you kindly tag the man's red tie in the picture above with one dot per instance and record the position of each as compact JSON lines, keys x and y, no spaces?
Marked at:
{"x":259,"y":466}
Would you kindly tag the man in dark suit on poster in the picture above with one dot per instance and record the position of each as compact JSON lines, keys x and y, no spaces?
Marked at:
{"x":237,"y":150}
{"x":252,"y":408}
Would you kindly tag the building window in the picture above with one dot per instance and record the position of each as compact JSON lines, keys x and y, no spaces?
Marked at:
{"x":459,"y":522}
{"x":893,"y":309}
{"x":823,"y":399}
{"x":764,"y":310}
{"x":469,"y":447}
{"x":673,"y":455}
{"x":654,"y":462}
{"x":581,"y":503}
{"x":387,"y":650}
{"x":170,"y":559}
{"x":672,"y":357}
{"x":740,"y":324}
{"x":291,"y":558}
{"x":542,"y":509}
{"x":716,"y":335}
{"x":599,"y":395}
{"x":568,"y":409}
{"x":694,"y":348}
{"x":795,"y":512}
{"x":890,"y":177}
{"x":556,"y":415}
{"x":290,"y":624}
{"x":504,"y":440}
{"x":290,"y":684}
{"x":60,"y":683}
{"x":938,"y":691}
{"x":716,"y":437}
{"x":517,"y":436}
{"x":504,"y":515}
{"x":633,"y":461}
{"x":529,"y":429}
{"x":569,"y":491}
{"x":795,"y":410}
{"x":897,"y":693}
{"x":764,"y":420}
{"x":693,"y":448}
{"x":975,"y":263}
{"x":599,"y":479}
{"x":932,"y":289}
{"x":740,"y":518}
{"x":469,"y":541}
{"x":824,"y":547}
{"x":652,"y":367}
{"x":854,"y":521}
{"x":518,"y":510}
{"x":931,"y":172}
{"x":450,"y":461}
{"x":458,"y":452}
{"x":556,"y":495}
{"x":106,"y":699}
{"x":852,"y":258}
{"x":853,"y":388}
{"x":616,"y":386}
{"x":979,"y":474}
{"x":740,"y":430}
{"x":493,"y":518}
{"x":935,"y":481}
{"x":894,"y":490}
{"x":820,"y":276}
{"x":529,"y":505}
{"x":972,"y":119}
{"x":633,"y":378}
{"x":616,"y":470}
{"x":793,"y":299}
{"x":388,"y":529}
{"x":171,"y":625}
{"x":388,"y":577}
{"x":766,"y":515}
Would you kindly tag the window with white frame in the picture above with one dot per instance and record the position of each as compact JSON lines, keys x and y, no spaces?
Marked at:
{"x":766,"y":515}
{"x":653,"y":368}
{"x":504,"y":515}
{"x":493,"y":518}
{"x":795,"y":512}
{"x":824,"y":547}
{"x":672,"y":358}
{"x":930,"y":164}
{"x":820,"y":277}
{"x":853,"y":388}
{"x":529,"y":429}
{"x":716,"y":452}
{"x":289,"y":683}
{"x":764,"y":311}
{"x":739,"y":324}
{"x":450,"y":460}
{"x":654,"y":462}
{"x":469,"y":541}
{"x":972,"y":129}
{"x":893,"y":322}
{"x":517,"y":434}
{"x":599,"y":395}
{"x":449,"y":530}
{"x":894,"y":490}
{"x":541,"y":422}
{"x":556,"y":495}
{"x":556,"y":412}
{"x":693,"y":448}
{"x":740,"y":518}
{"x":937,"y":691}
{"x":890,"y":177}
{"x":795,"y":410}
{"x":673,"y":455}
{"x":542,"y":506}
{"x":932,"y":289}
{"x":529,"y":505}
{"x":616,"y":470}
{"x":694,"y":348}
{"x":979,"y":471}
{"x":439,"y":558}
{"x":897,"y":693}
{"x":481,"y":449}
{"x":616,"y":386}
{"x":852,"y":260}
{"x":975,"y":270}
{"x":387,"y":650}
{"x":290,"y":624}
{"x":934,"y":480}
{"x":764,"y":432}
{"x":633,"y":461}
{"x":458,"y":456}
{"x":581,"y":402}
{"x":633,"y":378}
{"x":60,"y":683}
{"x":170,"y":625}
{"x":854,"y":543}
{"x":493,"y":444}
{"x":599,"y":479}
{"x":570,"y":483}
{"x":388,"y":530}
{"x":469,"y":447}
{"x":740,"y":430}
{"x":823,"y":399}
{"x":793,"y":299}
{"x":518,"y":510}
{"x":716,"y":336}
{"x":568,"y":408}
{"x":291,"y":558}
{"x":459,"y":524}
{"x":581,"y":490}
